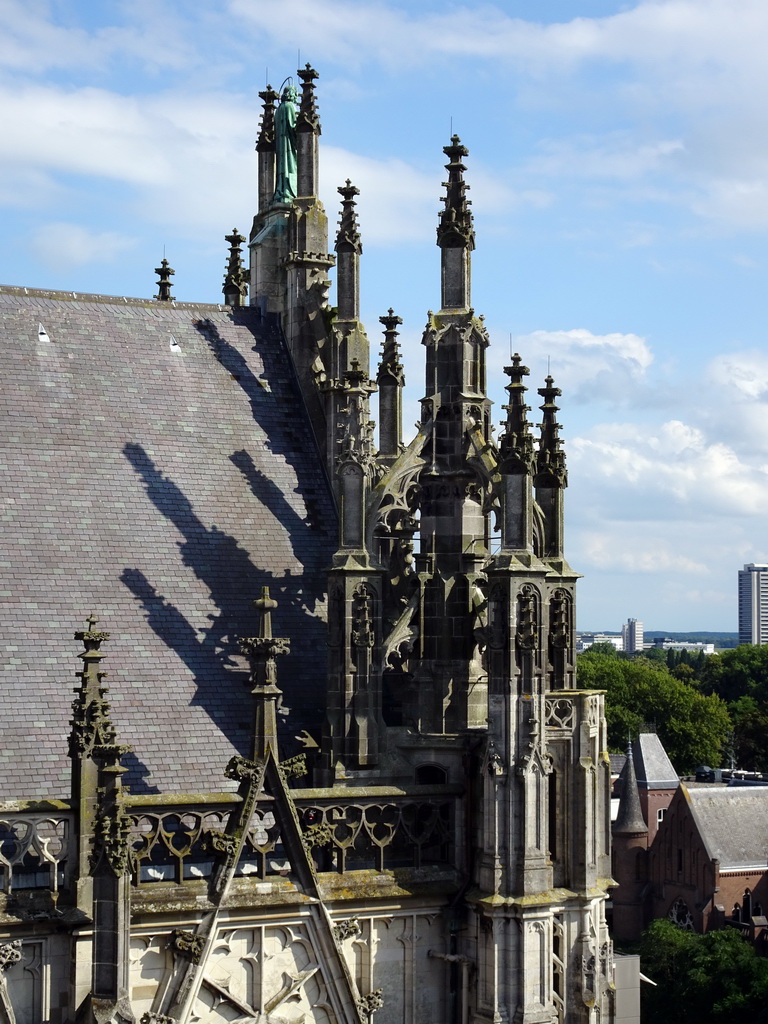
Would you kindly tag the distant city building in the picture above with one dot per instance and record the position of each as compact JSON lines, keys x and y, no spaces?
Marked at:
{"x":753,"y":604}
{"x":632,"y":635}
{"x":665,"y":644}
{"x":585,"y":640}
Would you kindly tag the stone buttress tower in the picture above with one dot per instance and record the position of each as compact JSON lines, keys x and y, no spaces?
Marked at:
{"x":448,"y":660}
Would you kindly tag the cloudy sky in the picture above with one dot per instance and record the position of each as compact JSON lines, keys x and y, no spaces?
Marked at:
{"x":619,"y":172}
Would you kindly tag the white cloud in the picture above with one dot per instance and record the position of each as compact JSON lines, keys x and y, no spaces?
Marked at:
{"x":396,"y":203}
{"x":587,"y":366}
{"x":62,"y":246}
{"x":743,"y":372}
{"x":664,"y":472}
{"x":87,"y":131}
{"x":622,"y":551}
{"x":616,"y":155}
{"x":672,"y":35}
{"x":34,"y":43}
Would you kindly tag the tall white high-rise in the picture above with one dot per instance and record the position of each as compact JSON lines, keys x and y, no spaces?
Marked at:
{"x":753,"y":604}
{"x":632,"y":635}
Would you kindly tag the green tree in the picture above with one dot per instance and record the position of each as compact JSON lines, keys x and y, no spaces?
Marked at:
{"x":740,"y":677}
{"x":740,"y":672}
{"x":715,"y":978}
{"x":693,"y":727}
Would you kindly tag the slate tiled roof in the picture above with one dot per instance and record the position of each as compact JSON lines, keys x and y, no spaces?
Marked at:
{"x":653,"y":767}
{"x":158,"y":468}
{"x":733,"y":823}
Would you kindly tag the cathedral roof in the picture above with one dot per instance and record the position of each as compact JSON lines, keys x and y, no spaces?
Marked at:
{"x":159,"y":470}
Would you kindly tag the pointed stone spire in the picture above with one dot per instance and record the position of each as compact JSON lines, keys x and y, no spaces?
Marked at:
{"x":551,"y":477}
{"x":91,"y":722}
{"x":348,"y":235}
{"x":456,"y":229}
{"x":629,"y":820}
{"x":266,"y":140}
{"x":235,"y":281}
{"x":455,"y":232}
{"x":265,"y":147}
{"x":516,"y":465}
{"x":391,"y":381}
{"x":164,"y":272}
{"x":309,"y":118}
{"x":103,"y":868}
{"x":262,"y":650}
{"x":516,"y":445}
{"x":349,"y":247}
{"x":307,"y":133}
{"x":551,"y":459}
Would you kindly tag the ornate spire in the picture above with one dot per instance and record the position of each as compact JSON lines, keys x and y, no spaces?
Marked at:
{"x":550,"y":467}
{"x":390,"y":367}
{"x":309,"y":119}
{"x":356,"y":443}
{"x":456,"y":229}
{"x":164,"y":272}
{"x":630,"y":819}
{"x":348,"y":235}
{"x":266,"y":140}
{"x":111,"y":834}
{"x":262,"y":650}
{"x":516,"y":445}
{"x":235,"y":282}
{"x":91,"y":723}
{"x":349,"y":247}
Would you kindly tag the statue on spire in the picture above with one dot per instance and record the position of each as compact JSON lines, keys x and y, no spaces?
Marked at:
{"x":285,"y":145}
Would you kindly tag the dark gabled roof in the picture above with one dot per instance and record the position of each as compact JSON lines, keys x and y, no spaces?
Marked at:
{"x":733,"y":824}
{"x":653,"y":767}
{"x":158,"y":469}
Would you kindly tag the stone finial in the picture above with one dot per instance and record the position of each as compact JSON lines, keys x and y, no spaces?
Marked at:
{"x":355,"y":376}
{"x":308,"y":119}
{"x":111,"y":841}
{"x":265,"y":605}
{"x":348,"y":235}
{"x":550,"y":462}
{"x":91,"y":722}
{"x":456,"y":229}
{"x":164,"y":272}
{"x":235,"y":281}
{"x":263,"y":648}
{"x":266,"y":140}
{"x":390,"y":367}
{"x":516,"y":444}
{"x":262,"y":651}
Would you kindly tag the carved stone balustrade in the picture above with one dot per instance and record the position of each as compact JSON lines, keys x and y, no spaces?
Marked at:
{"x":35,"y":850}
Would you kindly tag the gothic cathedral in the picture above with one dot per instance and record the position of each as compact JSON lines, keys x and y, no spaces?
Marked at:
{"x":343,"y":773}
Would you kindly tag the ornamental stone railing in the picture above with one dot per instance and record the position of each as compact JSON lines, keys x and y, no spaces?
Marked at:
{"x":388,"y":831}
{"x":176,"y":841}
{"x":35,"y":850}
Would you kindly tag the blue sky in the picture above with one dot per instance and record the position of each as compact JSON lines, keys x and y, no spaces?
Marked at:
{"x":619,"y":172}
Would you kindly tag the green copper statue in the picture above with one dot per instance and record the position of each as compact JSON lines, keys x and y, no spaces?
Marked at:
{"x":285,"y":144}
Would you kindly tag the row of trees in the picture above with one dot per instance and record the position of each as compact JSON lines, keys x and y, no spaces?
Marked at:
{"x":715,"y":978}
{"x":642,"y":694}
{"x":706,"y":709}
